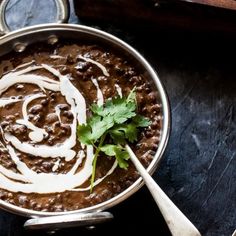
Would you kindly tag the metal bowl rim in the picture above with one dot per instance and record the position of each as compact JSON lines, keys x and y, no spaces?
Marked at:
{"x":163,"y":97}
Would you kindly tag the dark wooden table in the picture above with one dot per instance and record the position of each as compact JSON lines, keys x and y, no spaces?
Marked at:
{"x":198,"y":168}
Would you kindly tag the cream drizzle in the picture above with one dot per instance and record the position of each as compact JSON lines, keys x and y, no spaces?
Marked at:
{"x":99,"y":65}
{"x":37,"y":134}
{"x":12,"y":78}
{"x":99,"y":92}
{"x":98,"y":181}
{"x":24,"y":65}
{"x":44,"y":151}
{"x":6,"y":101}
{"x":56,"y":165}
{"x":56,"y":57}
{"x":26,"y":180}
{"x":119,"y":90}
{"x":58,"y":112}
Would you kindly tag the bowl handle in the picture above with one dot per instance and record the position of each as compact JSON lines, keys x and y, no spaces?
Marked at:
{"x":63,"y":12}
{"x":53,"y":223}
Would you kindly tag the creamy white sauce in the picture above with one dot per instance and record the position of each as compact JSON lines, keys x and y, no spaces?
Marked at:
{"x":56,"y":57}
{"x":80,"y":156}
{"x":56,"y":165}
{"x":27,"y":180}
{"x":99,"y":65}
{"x":99,"y":92}
{"x":37,"y":134}
{"x":24,"y":65}
{"x":44,"y":83}
{"x":44,"y":151}
{"x":119,"y":90}
{"x":2,"y":133}
{"x":98,"y":180}
{"x":13,"y":175}
{"x":58,"y":112}
{"x":2,"y":146}
{"x":6,"y":101}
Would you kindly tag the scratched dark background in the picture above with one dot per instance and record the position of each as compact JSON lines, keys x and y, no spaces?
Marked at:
{"x":198,"y":169}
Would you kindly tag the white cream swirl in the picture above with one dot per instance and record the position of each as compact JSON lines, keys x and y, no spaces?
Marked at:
{"x":27,"y":180}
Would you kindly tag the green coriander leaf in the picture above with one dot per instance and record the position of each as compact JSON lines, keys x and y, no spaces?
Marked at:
{"x":117,"y":135}
{"x":121,"y":155}
{"x":84,"y":134}
{"x":108,"y":108}
{"x":99,"y":126}
{"x":126,"y":131}
{"x":102,"y":139}
{"x":112,"y":105}
{"x":98,"y":110}
{"x":116,"y":119}
{"x":141,"y":121}
{"x":124,"y":110}
{"x":118,"y":108}
{"x":109,"y":149}
{"x":131,"y":132}
{"x":122,"y":116}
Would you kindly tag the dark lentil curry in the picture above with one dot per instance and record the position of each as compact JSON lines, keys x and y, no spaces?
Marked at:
{"x":41,"y":112}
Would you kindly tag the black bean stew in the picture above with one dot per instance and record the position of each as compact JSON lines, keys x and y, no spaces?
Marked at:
{"x":73,"y":61}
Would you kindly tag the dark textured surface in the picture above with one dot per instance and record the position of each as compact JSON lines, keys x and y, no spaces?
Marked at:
{"x":198,"y":168}
{"x":163,"y":14}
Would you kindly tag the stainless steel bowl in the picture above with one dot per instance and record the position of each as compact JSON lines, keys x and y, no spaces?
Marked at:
{"x":47,"y":32}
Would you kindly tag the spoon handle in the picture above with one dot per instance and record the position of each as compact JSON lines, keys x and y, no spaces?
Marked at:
{"x":177,"y":222}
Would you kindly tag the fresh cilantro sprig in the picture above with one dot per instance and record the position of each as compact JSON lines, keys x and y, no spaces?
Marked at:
{"x":118,"y":120}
